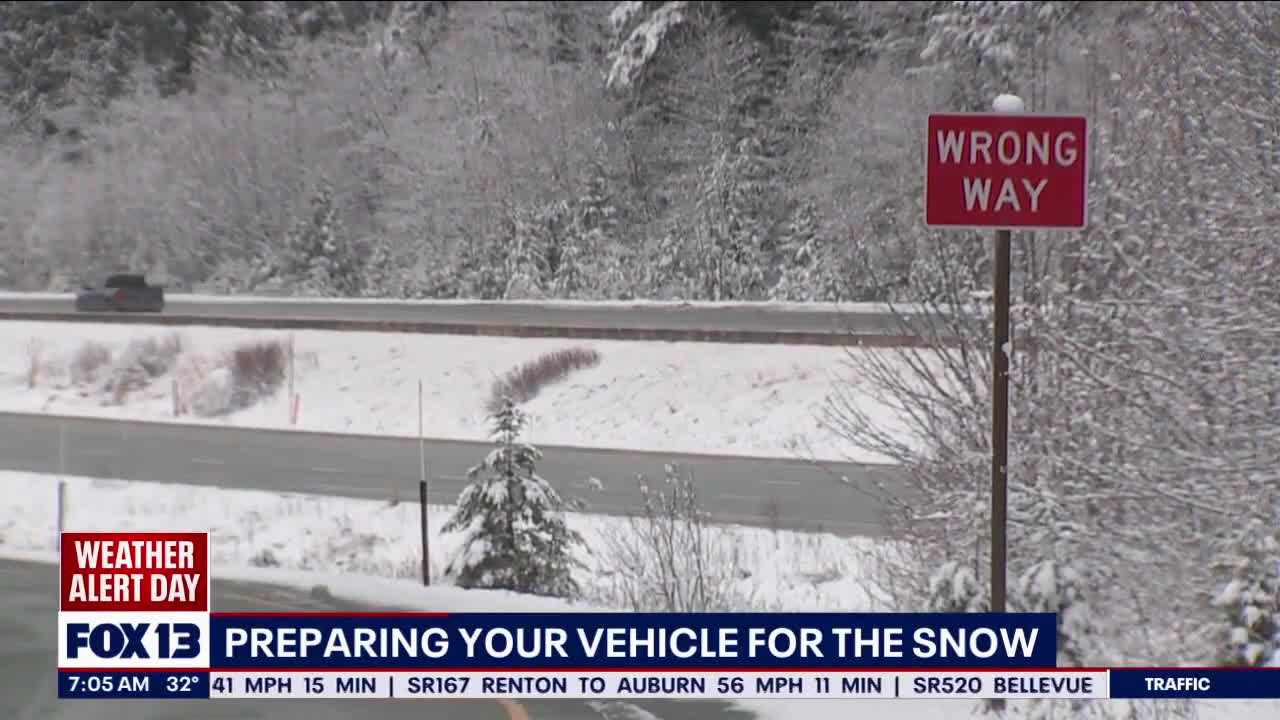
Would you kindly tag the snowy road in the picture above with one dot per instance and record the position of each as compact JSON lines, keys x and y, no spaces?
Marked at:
{"x":834,"y":497}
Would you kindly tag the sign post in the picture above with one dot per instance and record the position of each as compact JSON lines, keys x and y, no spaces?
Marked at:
{"x":1005,"y":170}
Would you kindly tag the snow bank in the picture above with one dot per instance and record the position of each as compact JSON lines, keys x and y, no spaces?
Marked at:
{"x":671,"y":397}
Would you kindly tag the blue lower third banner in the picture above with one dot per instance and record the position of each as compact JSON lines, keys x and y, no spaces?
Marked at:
{"x":125,"y":684}
{"x":631,"y":641}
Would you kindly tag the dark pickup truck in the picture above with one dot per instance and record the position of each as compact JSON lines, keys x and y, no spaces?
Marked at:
{"x":122,"y":293}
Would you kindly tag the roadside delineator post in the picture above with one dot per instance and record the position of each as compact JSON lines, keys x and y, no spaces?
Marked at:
{"x":62,"y":483}
{"x":423,"y":488}
{"x":293,"y":397}
{"x":62,"y":514}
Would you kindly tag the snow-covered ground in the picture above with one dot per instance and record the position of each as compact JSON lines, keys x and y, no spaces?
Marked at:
{"x":756,"y":400}
{"x":366,"y":551}
{"x":771,"y":571}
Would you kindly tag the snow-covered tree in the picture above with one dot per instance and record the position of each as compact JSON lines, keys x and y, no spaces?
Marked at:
{"x":807,"y":270}
{"x":318,"y":256}
{"x":1248,"y":631}
{"x":1129,"y":437}
{"x":1051,"y":586}
{"x":591,"y":260}
{"x":514,"y":532}
{"x":955,"y":588}
{"x":638,"y":35}
{"x":731,"y":240}
{"x":986,"y":44}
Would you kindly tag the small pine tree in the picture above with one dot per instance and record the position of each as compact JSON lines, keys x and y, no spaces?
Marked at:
{"x":516,"y":537}
{"x":731,"y":236}
{"x":383,"y":277}
{"x":1249,"y":633}
{"x":802,"y":276}
{"x":588,"y":258}
{"x":318,"y":257}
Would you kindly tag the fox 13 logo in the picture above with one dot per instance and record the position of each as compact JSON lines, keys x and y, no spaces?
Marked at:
{"x":137,"y":642}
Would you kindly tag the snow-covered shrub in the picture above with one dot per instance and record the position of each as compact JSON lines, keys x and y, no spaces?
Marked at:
{"x":671,"y":557}
{"x":143,"y":360}
{"x":88,"y":359}
{"x":515,"y":535}
{"x":264,"y":558}
{"x":124,"y":380}
{"x":1248,"y":633}
{"x":523,"y":383}
{"x":257,"y":371}
{"x":154,"y":355}
{"x":190,"y":373}
{"x":954,"y":588}
{"x":1053,"y":587}
{"x":1045,"y":587}
{"x":211,"y":395}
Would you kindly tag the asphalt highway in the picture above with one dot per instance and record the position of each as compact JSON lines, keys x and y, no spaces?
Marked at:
{"x":792,"y":494}
{"x":28,"y":658}
{"x":744,"y":317}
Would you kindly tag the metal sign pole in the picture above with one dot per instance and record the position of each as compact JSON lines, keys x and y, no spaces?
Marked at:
{"x":1000,"y":351}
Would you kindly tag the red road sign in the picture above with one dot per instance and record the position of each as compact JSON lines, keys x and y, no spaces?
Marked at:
{"x":1007,"y":170}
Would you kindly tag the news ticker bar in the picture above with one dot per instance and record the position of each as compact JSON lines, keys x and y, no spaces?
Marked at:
{"x":1095,"y":684}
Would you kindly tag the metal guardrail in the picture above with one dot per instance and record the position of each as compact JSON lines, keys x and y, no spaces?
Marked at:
{"x":763,"y":337}
{"x":742,"y":324}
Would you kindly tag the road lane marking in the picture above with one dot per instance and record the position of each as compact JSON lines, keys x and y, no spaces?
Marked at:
{"x":208,"y":461}
{"x":782,"y":482}
{"x":738,"y":497}
{"x":330,"y":470}
{"x":351,"y":491}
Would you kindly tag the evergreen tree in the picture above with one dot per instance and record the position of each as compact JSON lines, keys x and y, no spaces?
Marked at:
{"x":1249,"y":633}
{"x":516,"y":537}
{"x":731,"y":238}
{"x":804,"y":275}
{"x":318,"y":257}
{"x":383,"y":276}
{"x":589,"y":260}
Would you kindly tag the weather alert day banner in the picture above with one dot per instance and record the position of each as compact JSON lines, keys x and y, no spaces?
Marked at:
{"x":134,"y":622}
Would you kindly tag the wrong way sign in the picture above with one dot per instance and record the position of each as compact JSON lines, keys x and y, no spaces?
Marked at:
{"x":1007,"y":170}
